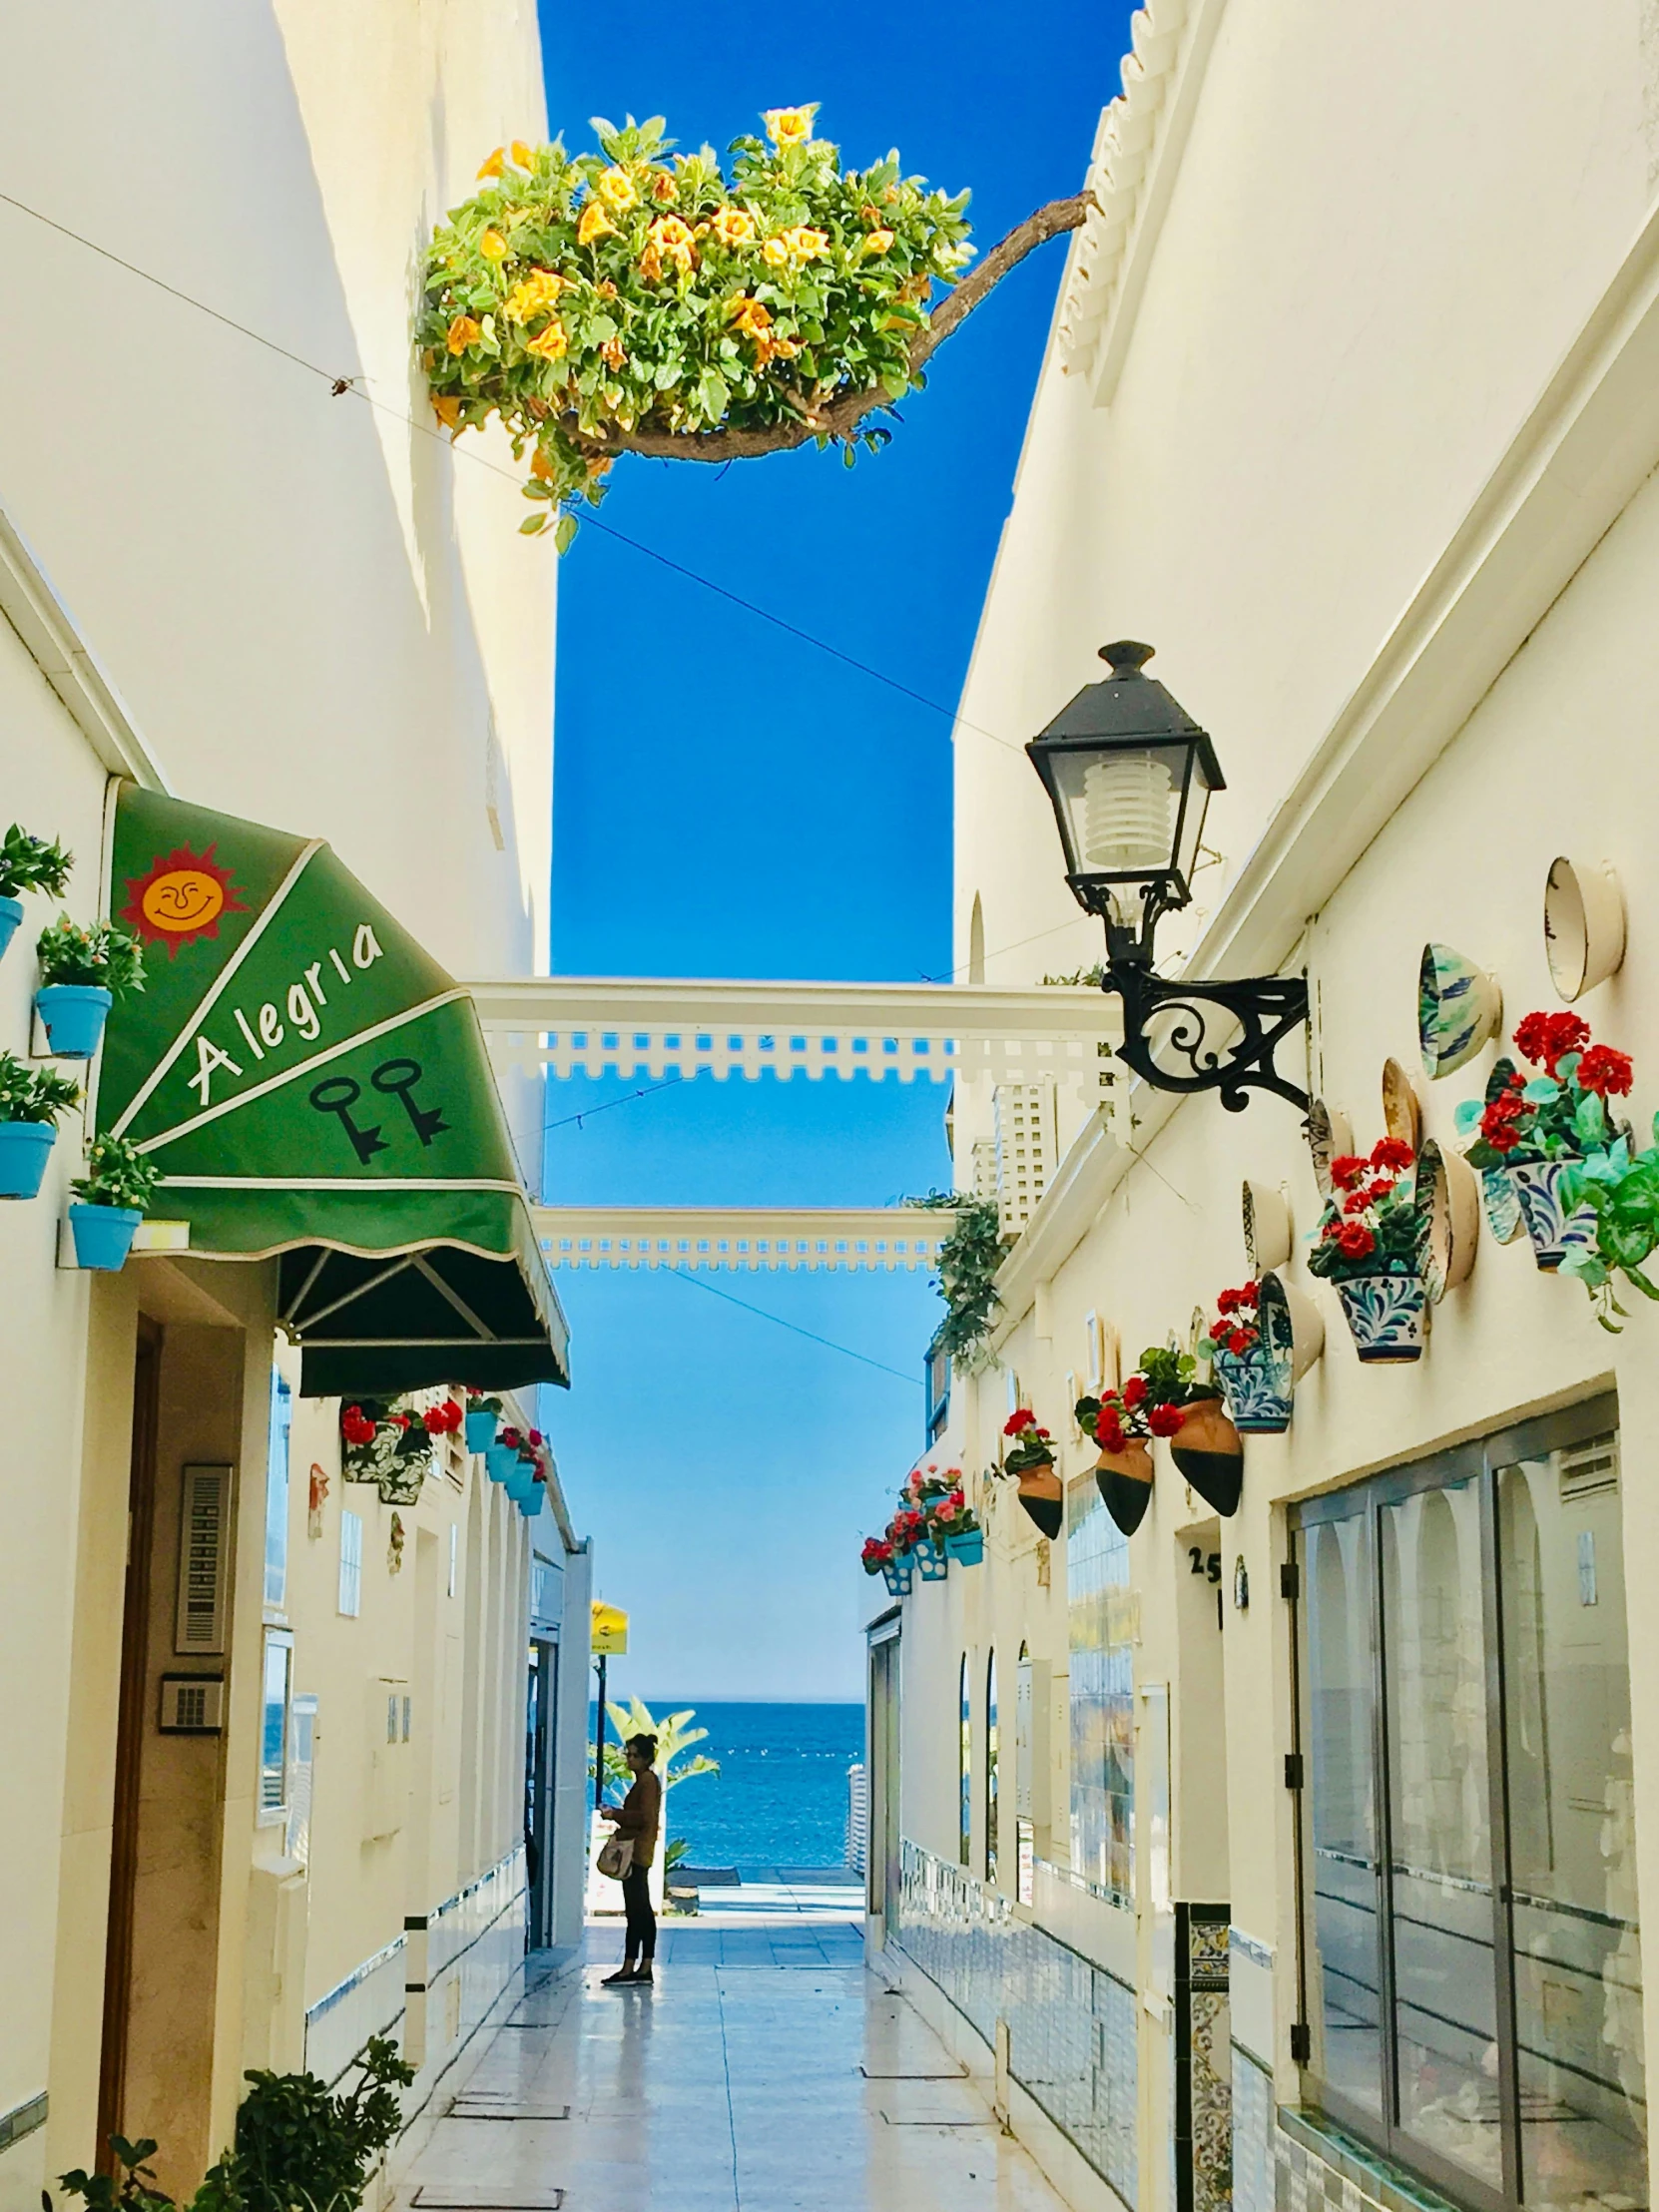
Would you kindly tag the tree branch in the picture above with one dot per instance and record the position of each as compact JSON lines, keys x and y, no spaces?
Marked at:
{"x":839,"y":416}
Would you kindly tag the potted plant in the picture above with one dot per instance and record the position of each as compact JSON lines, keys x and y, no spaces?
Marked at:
{"x":912,"y":1526}
{"x":1371,"y":1243}
{"x":1030,"y":1459}
{"x":113,"y":1194}
{"x":1533,"y":1130}
{"x":502,"y":1456}
{"x":31,"y":1099}
{"x":1256,"y":1379}
{"x":81,"y":971}
{"x":881,"y":1556}
{"x":1163,"y":1397}
{"x":955,"y":1527}
{"x":388,"y":1445}
{"x":483,"y":1418}
{"x":1619,"y":1190}
{"x":28,"y":864}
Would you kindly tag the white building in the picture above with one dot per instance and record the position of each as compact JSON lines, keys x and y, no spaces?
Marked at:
{"x":1301,"y":1854}
{"x":241,"y":566}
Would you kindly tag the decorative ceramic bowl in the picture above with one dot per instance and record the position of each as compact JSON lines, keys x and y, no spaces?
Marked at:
{"x":1388,"y":1316}
{"x":1459,"y":1007}
{"x":1537,"y":1185}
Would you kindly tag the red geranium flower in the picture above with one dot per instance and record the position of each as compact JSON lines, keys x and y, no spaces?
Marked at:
{"x":1108,"y":1430}
{"x":1347,"y":1169}
{"x":1163,"y":1420}
{"x":1133,"y":1391}
{"x":1391,"y":1152}
{"x":1548,"y":1037}
{"x":1016,"y":1421}
{"x":355,"y":1427}
{"x":1355,"y":1241}
{"x":1240,"y":1340}
{"x":1604,"y":1071}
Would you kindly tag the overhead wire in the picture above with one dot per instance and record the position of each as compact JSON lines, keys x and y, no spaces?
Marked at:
{"x":793,"y":1327}
{"x":340,"y":387}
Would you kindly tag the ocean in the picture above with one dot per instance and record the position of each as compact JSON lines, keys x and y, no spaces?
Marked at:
{"x":779,"y":1798}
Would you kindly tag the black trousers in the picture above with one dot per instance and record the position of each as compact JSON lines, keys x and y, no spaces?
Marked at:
{"x":642,"y":1921}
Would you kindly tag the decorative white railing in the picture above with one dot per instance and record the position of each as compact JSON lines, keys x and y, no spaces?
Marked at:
{"x":631,"y":1025}
{"x":873,"y":1239}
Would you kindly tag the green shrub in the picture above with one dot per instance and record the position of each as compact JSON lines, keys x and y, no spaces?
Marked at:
{"x":106,"y":954}
{"x":32,"y":864}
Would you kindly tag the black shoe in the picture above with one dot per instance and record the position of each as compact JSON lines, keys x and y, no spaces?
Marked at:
{"x":623,"y":1974}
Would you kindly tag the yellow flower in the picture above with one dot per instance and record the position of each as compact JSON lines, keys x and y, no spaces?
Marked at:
{"x":533,"y":294}
{"x":612,"y":352}
{"x":664,"y":188}
{"x":734,"y":226}
{"x":877,"y":242}
{"x":464,"y":331}
{"x":749,"y":317}
{"x":605,"y":289}
{"x":774,"y":254}
{"x":790,"y":126}
{"x":807,"y":244}
{"x":595,"y":224}
{"x":496,"y":163}
{"x":448,"y":412}
{"x":550,"y":345}
{"x":523,"y":154}
{"x":616,"y":189}
{"x":651,"y":264}
{"x":492,"y":245}
{"x":673,"y":237}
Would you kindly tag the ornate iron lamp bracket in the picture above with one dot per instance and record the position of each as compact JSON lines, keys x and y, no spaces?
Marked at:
{"x":1164,"y":1021}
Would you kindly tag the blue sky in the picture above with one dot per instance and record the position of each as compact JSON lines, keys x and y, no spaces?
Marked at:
{"x":729,"y":801}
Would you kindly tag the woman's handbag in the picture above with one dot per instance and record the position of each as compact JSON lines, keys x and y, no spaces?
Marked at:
{"x":615,"y":1856}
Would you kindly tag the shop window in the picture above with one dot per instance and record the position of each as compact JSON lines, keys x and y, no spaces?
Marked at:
{"x":1101,"y":1629}
{"x":991,"y":1750}
{"x":273,"y":1724}
{"x":964,"y":1766}
{"x":1470,"y":1926}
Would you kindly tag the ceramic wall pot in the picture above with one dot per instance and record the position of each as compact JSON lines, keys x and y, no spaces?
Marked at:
{"x":1124,"y":1479}
{"x":499,"y":1461}
{"x":897,"y":1574}
{"x":480,"y":1431}
{"x":1210,"y":1455}
{"x":11,"y":913}
{"x":24,"y":1149}
{"x":1388,"y":1316}
{"x":102,"y":1235}
{"x":967,"y":1548}
{"x":1043,"y":1498}
{"x":1537,"y":1185}
{"x":932,"y":1559}
{"x":74,"y":1015}
{"x":1584,"y":926}
{"x":1459,"y":1007}
{"x":1258,"y":1391}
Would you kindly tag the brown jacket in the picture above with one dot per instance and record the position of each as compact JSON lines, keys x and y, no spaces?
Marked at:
{"x":641,"y":1815}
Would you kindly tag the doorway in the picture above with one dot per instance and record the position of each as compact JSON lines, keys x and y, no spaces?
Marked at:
{"x":129,"y":1742}
{"x":541,"y":1708}
{"x":883,"y":1855}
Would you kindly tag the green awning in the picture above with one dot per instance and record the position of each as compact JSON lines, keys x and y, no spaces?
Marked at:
{"x":313,"y":1084}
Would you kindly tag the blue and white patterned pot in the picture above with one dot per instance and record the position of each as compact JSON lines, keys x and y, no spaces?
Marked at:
{"x":1537,"y":1184}
{"x":1258,"y":1391}
{"x":897,"y":1574}
{"x":1387,"y":1314}
{"x":932,"y":1559}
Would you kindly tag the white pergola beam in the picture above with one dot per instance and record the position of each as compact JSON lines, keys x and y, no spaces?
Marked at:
{"x":629,"y":1025}
{"x":875,"y":1239}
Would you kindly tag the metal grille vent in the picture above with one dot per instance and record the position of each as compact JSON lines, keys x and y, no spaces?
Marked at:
{"x":203,"y":1560}
{"x":1590,"y":1467}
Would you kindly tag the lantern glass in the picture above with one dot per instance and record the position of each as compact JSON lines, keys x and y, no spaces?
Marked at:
{"x":1128,"y":814}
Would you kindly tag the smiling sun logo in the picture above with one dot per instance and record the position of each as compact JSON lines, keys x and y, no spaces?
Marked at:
{"x":181,"y":898}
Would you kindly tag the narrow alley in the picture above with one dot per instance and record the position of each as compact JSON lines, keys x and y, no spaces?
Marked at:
{"x":766,"y":2070}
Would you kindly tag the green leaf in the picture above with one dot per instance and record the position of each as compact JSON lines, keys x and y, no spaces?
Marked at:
{"x":532,"y":526}
{"x":564,"y":535}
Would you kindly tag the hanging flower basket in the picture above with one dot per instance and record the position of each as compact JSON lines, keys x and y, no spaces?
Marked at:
{"x":1254,"y":1373}
{"x":967,"y":1546}
{"x":1124,"y":1480}
{"x":1388,"y":1316}
{"x":1210,"y":1454}
{"x":1531,"y":1131}
{"x":103,"y":1236}
{"x":25,"y":1147}
{"x":952,"y":1522}
{"x":932,"y":1559}
{"x":28,"y":864}
{"x":483,"y":1418}
{"x":898,"y":1573}
{"x":383,"y":1443}
{"x":1030,"y":1459}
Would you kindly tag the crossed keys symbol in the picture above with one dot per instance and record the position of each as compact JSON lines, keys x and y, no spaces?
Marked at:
{"x":396,"y":1079}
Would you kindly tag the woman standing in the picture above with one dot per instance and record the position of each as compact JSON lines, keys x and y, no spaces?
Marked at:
{"x":638,"y":1817}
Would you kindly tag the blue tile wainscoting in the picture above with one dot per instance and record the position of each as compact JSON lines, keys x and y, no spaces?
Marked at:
{"x":1071,"y":2024}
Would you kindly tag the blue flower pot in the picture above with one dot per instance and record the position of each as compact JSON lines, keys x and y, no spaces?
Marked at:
{"x":967,"y":1549}
{"x":931,"y":1558}
{"x":499,"y":1461}
{"x":102,"y":1235}
{"x":897,"y":1574}
{"x":11,"y":913}
{"x":530,"y":1506}
{"x":1258,"y":1391}
{"x":24,"y":1146}
{"x":74,"y":1014}
{"x":521,"y":1482}
{"x":1554,"y":1233}
{"x":480,"y":1431}
{"x":1388,"y":1316}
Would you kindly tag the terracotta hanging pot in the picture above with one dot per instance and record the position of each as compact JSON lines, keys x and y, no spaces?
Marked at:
{"x":1042,"y":1496}
{"x":1124,"y":1479}
{"x":1209,"y":1451}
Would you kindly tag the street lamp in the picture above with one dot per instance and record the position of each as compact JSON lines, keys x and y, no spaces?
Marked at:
{"x":1129,"y":775}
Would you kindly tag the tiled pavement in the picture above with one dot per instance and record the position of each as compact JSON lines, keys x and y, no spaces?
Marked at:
{"x":767,"y":2071}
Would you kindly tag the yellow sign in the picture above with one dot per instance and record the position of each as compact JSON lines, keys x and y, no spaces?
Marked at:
{"x":610,"y":1630}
